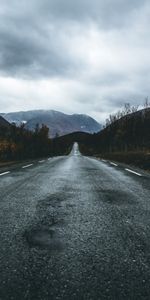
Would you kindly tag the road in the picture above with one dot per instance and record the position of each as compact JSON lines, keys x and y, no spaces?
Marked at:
{"x":74,"y":228}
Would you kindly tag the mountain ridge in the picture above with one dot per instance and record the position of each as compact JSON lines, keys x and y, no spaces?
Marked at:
{"x":59,"y":123}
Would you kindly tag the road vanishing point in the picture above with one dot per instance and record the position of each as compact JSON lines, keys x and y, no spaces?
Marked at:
{"x":74,"y":228}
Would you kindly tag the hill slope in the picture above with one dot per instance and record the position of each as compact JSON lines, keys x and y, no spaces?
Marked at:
{"x":3,"y":122}
{"x":126,"y":140}
{"x":58,"y":123}
{"x":130,"y":133}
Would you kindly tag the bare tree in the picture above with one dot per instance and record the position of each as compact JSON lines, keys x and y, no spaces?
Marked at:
{"x":134,"y":108}
{"x":146,"y":103}
{"x":127,"y":108}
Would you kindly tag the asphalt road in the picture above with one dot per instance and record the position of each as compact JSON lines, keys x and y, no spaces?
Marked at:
{"x":74,"y":228}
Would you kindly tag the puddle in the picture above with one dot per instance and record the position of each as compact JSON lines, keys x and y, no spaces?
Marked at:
{"x":51,"y":201}
{"x":116,"y":197}
{"x":43,"y":239}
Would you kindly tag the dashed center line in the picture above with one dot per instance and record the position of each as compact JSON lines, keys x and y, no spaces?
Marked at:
{"x":5,"y":173}
{"x":113,"y":164}
{"x":41,"y":161}
{"x":104,"y":160}
{"x":27,"y":166}
{"x":131,"y":171}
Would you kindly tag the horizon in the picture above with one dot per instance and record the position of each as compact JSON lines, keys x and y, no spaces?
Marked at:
{"x":139,"y":108}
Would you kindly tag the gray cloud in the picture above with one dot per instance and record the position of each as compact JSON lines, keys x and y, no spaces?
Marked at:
{"x":108,"y":13}
{"x":91,"y":55}
{"x":33,"y":35}
{"x":29,"y":53}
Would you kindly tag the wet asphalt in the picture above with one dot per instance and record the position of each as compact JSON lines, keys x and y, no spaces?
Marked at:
{"x":74,"y":228}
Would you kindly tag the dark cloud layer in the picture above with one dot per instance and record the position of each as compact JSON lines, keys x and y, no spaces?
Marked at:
{"x":32,"y":39}
{"x":107,"y":14}
{"x":86,"y":51}
{"x":27,"y":52}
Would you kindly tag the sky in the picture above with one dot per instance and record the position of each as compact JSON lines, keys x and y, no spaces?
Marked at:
{"x":83,"y":56}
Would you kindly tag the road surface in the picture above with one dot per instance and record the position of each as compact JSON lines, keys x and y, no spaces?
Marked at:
{"x":74,"y":228}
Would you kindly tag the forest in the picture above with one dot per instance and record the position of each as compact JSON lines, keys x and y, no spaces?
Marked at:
{"x":125,"y":138}
{"x":18,"y":143}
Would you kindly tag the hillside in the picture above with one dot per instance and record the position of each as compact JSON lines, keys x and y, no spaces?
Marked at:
{"x":130,"y":133}
{"x":3,"y":122}
{"x":57,"y":122}
{"x":126,"y":140}
{"x":63,"y":144}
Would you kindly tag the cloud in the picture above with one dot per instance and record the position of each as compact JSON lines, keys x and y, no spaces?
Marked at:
{"x":75,"y":56}
{"x":35,"y":38}
{"x":30,"y":53}
{"x":108,"y":13}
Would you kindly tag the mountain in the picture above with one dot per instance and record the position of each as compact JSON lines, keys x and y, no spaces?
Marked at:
{"x":3,"y":122}
{"x":58,"y":122}
{"x":129,"y":133}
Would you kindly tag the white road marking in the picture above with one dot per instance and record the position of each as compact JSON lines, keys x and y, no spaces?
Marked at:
{"x":41,"y":161}
{"x":113,"y":164}
{"x":27,"y":166}
{"x":104,"y":160}
{"x":131,"y":171}
{"x":5,"y":173}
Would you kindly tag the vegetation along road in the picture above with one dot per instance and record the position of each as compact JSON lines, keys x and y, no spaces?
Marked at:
{"x":74,"y":227}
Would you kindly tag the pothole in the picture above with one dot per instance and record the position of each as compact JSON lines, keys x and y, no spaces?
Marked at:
{"x":43,"y":239}
{"x":115,"y":197}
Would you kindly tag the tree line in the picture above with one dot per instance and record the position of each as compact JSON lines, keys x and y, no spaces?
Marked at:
{"x":19,"y":143}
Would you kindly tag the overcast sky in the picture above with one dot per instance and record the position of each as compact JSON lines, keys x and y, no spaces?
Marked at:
{"x":82,"y":56}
